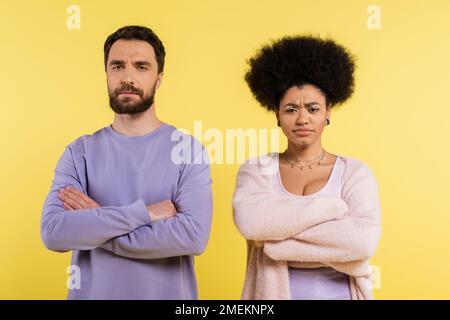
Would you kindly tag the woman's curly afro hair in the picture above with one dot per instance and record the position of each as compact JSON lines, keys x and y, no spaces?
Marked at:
{"x":301,"y":60}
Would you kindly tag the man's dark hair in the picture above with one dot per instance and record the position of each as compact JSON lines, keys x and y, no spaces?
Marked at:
{"x":299,"y":60}
{"x":137,"y":33}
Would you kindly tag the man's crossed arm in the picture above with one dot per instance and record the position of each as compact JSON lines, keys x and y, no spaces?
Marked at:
{"x":73,"y":199}
{"x":71,"y":220}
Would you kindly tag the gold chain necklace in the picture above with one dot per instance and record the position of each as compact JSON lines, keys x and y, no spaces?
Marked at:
{"x":311,"y":162}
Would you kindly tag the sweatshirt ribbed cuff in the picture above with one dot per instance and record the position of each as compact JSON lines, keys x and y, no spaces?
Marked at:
{"x":138,"y":213}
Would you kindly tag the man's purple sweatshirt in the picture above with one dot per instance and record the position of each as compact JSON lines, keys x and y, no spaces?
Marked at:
{"x":119,"y":252}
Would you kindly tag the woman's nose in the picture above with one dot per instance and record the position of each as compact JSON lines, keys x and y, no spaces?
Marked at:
{"x":302,"y":116}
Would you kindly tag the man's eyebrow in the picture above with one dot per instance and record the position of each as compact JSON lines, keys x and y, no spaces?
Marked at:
{"x":116,"y":62}
{"x":143,"y":62}
{"x":121,"y":62}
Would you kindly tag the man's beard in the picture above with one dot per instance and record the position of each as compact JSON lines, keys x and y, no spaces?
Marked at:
{"x":126,"y":105}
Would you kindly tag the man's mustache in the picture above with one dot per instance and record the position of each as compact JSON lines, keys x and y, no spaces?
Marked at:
{"x":128,"y":89}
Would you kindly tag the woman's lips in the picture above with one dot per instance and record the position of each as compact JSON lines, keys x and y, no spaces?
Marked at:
{"x":302,"y":133}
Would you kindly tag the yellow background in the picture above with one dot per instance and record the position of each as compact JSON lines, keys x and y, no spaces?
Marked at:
{"x":53,"y":90}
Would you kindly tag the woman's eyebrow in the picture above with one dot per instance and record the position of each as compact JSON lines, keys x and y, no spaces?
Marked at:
{"x":293,"y":104}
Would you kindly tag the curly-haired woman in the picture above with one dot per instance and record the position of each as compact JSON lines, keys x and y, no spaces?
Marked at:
{"x":312,"y":219}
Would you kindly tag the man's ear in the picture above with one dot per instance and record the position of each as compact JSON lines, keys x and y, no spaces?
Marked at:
{"x":159,"y":80}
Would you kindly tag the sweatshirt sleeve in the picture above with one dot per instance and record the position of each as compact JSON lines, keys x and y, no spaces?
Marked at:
{"x":353,"y":238}
{"x":63,"y":230}
{"x":185,"y":234}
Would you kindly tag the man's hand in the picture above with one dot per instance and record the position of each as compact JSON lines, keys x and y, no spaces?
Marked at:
{"x":161,"y":210}
{"x":74,"y":199}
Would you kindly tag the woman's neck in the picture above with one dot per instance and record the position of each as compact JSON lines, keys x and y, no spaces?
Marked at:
{"x":304,"y":153}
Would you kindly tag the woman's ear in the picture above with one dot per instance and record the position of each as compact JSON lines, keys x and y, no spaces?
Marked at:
{"x":329,"y":106}
{"x":327,"y":115}
{"x":278,"y":119}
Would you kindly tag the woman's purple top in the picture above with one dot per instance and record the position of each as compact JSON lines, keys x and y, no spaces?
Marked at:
{"x":320,"y":283}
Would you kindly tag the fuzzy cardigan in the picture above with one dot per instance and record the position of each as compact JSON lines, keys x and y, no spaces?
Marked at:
{"x":324,"y":231}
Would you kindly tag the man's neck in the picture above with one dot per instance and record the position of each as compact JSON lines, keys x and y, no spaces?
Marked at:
{"x":136,"y":124}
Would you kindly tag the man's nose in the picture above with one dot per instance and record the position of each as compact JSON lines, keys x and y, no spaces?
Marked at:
{"x":128,"y":77}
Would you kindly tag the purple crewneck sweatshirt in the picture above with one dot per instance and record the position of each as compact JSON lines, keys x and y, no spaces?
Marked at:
{"x":120,"y":252}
